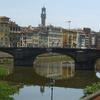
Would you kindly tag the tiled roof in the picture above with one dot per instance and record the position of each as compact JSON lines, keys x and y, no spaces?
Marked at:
{"x":50,"y":26}
{"x":42,"y":33}
{"x":4,"y":17}
{"x":15,"y":32}
{"x":81,"y":32}
{"x":27,"y":30}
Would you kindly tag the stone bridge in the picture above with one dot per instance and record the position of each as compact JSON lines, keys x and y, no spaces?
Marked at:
{"x":84,"y":58}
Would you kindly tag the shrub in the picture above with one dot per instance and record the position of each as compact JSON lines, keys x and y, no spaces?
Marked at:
{"x":91,"y":89}
{"x":3,"y":72}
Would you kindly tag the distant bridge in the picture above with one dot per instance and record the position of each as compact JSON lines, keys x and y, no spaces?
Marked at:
{"x":84,"y":58}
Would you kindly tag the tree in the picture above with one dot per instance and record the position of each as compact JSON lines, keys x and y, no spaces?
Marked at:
{"x":5,"y":89}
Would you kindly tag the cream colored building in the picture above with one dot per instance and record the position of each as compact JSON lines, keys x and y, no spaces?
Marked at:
{"x":54,"y":35}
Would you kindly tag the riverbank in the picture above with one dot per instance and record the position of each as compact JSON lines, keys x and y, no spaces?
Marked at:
{"x":6,"y":60}
{"x":51,"y":58}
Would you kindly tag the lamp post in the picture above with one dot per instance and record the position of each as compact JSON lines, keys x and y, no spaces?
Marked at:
{"x":52,"y":83}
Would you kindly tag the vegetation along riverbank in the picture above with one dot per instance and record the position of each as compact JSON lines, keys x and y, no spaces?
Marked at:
{"x":52,"y":58}
{"x":5,"y":89}
{"x":5,"y":60}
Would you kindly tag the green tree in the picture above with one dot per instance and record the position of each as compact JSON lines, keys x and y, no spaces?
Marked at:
{"x":3,"y":72}
{"x":5,"y":89}
{"x":91,"y":89}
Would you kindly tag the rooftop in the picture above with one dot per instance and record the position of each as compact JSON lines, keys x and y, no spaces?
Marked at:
{"x":4,"y":17}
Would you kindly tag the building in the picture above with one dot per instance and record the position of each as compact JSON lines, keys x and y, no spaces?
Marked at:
{"x":43,"y":39}
{"x":14,"y":35}
{"x":69,"y":38}
{"x":98,"y":40}
{"x":29,"y":37}
{"x":54,"y":35}
{"x":4,"y":31}
{"x":93,"y":40}
{"x":81,"y":39}
{"x":87,"y":37}
{"x":35,"y":38}
{"x":43,"y":16}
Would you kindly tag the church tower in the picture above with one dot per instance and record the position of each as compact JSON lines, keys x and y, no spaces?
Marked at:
{"x":43,"y":16}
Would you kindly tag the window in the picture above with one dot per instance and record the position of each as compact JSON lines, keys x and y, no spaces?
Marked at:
{"x":1,"y":43}
{"x":10,"y":28}
{"x":6,"y":30}
{"x":6,"y":25}
{"x":1,"y":34}
{"x":6,"y":19}
{"x":1,"y":25}
{"x":6,"y":43}
{"x":1,"y":30}
{"x":6,"y":34}
{"x":6,"y":39}
{"x":1,"y":38}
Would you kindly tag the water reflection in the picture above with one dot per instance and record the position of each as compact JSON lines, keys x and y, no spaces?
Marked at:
{"x":57,"y":70}
{"x":97,"y":68}
{"x":9,"y":67}
{"x":34,"y":81}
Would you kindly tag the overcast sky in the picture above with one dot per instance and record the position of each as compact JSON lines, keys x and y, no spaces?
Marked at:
{"x":81,"y":13}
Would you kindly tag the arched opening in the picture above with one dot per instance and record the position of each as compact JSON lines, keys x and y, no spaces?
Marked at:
{"x":93,"y":62}
{"x":54,"y":65}
{"x":5,"y":57}
{"x":7,"y":60}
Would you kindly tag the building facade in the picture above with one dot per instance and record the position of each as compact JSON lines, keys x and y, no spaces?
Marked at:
{"x":81,"y":39}
{"x":14,"y":35}
{"x":43,"y":39}
{"x":69,"y":38}
{"x":4,"y":31}
{"x":54,"y":35}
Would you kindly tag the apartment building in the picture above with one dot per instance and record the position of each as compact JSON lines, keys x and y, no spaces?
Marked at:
{"x":98,"y":40}
{"x":93,"y":40}
{"x":69,"y":38}
{"x":4,"y":31}
{"x":43,"y":39}
{"x":81,"y":39}
{"x":15,"y":33}
{"x":54,"y":35}
{"x":29,"y":37}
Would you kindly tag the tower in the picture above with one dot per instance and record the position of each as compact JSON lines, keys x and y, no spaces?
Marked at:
{"x":43,"y":16}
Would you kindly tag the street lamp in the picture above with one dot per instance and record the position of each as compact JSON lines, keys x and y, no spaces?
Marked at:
{"x":52,"y":83}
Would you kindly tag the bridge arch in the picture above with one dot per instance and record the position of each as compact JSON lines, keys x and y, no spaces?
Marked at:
{"x":25,"y":56}
{"x":93,"y":60}
{"x":32,"y":56}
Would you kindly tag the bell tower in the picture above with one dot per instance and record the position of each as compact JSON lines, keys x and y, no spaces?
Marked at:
{"x":43,"y":16}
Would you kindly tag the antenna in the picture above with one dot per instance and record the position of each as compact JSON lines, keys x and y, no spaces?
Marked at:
{"x":69,"y":23}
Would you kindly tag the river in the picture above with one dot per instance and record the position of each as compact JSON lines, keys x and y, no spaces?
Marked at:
{"x":34,"y":82}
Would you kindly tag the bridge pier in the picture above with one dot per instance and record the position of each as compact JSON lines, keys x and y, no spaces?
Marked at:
{"x":84,"y":66}
{"x":27,"y":61}
{"x":22,"y":63}
{"x":82,"y":61}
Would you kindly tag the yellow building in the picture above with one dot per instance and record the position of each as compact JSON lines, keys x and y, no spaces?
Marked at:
{"x":69,"y":39}
{"x":4,"y":31}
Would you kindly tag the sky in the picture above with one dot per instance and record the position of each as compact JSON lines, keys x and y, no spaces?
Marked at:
{"x":81,"y":13}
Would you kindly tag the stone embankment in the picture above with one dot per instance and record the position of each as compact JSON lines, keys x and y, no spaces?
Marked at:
{"x":49,"y":54}
{"x":5,"y":55}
